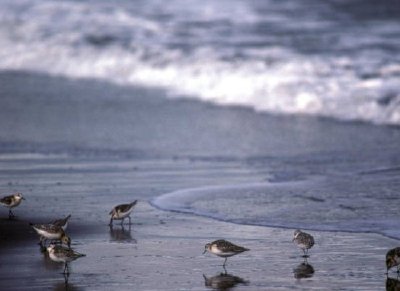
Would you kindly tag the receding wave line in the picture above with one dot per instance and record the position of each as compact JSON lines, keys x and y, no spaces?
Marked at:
{"x":279,"y":205}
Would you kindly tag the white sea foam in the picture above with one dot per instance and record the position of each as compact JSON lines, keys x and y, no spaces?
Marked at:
{"x":315,"y":204}
{"x":122,"y":44}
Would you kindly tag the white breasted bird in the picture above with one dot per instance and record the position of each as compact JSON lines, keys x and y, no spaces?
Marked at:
{"x":51,"y":232}
{"x":62,"y":254}
{"x":224,"y":249}
{"x":393,"y":259}
{"x":303,"y":240}
{"x":122,"y":211}
{"x":11,"y":201}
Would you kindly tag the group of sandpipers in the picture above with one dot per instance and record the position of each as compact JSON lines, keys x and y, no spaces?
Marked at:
{"x":55,"y":232}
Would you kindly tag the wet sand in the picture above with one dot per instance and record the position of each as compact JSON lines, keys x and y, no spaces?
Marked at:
{"x":163,"y":250}
{"x":153,"y":146}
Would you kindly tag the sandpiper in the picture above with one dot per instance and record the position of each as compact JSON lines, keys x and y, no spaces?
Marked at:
{"x":304,"y":241}
{"x":224,"y":249}
{"x":393,"y":259}
{"x":120,"y":212}
{"x":51,"y":232}
{"x":11,"y":201}
{"x":63,"y":255}
{"x":63,"y":222}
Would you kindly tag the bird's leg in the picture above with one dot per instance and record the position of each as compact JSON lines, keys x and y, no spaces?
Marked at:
{"x":224,"y":269}
{"x":111,"y":222}
{"x":224,"y":262}
{"x":66,"y":270}
{"x":66,"y":275}
{"x":10,"y":214}
{"x":122,"y":221}
{"x":129,"y":220}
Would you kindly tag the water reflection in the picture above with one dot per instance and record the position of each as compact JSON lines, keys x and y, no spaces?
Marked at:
{"x":65,"y":285}
{"x":392,"y":284}
{"x":121,"y":234}
{"x":223,"y":281}
{"x":304,"y":270}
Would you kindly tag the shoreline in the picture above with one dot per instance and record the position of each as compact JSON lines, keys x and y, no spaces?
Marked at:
{"x":80,"y":147}
{"x":169,"y":245}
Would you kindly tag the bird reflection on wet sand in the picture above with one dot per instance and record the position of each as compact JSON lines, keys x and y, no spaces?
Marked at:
{"x":392,"y":284}
{"x":65,"y":285}
{"x":303,"y":271}
{"x":121,"y":234}
{"x":223,"y":281}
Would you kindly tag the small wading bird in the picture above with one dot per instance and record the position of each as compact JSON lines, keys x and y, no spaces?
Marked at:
{"x":122,"y":211}
{"x":51,"y":232}
{"x":64,"y":255}
{"x":224,"y":249}
{"x":393,"y":259}
{"x":11,"y":201}
{"x":304,"y":241}
{"x":63,"y":222}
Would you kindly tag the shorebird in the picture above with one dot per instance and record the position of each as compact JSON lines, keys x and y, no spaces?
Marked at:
{"x":120,"y":212}
{"x":51,"y":232}
{"x":224,"y":249}
{"x":11,"y":201}
{"x":63,"y":255}
{"x":63,"y":222}
{"x":304,"y":241}
{"x":393,"y":259}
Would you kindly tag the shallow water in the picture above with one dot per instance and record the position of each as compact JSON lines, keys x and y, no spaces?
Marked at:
{"x":311,"y":173}
{"x":69,"y":152}
{"x":352,"y":203}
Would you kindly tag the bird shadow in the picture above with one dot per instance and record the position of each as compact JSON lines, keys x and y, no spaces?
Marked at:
{"x":122,"y":234}
{"x":65,"y":285}
{"x":303,"y":270}
{"x":223,"y":281}
{"x":392,"y":284}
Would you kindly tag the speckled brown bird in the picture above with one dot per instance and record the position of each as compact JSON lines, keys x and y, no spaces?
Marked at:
{"x":11,"y":201}
{"x":393,"y":259}
{"x":303,"y":240}
{"x":122,"y":211}
{"x":224,"y":249}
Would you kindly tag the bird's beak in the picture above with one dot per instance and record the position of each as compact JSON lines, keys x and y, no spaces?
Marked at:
{"x":204,"y":252}
{"x":23,"y":198}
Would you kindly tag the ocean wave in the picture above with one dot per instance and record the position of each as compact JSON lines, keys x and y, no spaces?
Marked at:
{"x":315,"y":204}
{"x":202,"y":52}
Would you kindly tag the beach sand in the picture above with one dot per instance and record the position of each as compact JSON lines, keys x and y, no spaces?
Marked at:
{"x":64,"y":168}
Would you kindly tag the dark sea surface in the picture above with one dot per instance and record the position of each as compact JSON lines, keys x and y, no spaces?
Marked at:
{"x":331,"y":58}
